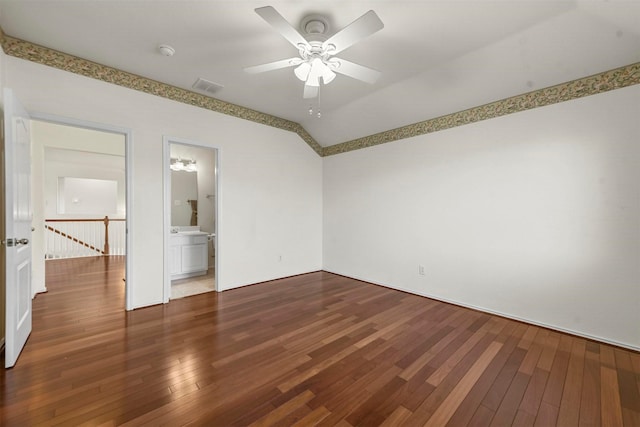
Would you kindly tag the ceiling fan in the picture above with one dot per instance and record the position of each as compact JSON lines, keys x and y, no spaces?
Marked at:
{"x":316,"y":62}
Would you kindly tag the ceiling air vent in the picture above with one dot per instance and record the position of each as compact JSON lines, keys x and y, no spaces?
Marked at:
{"x":206,"y":86}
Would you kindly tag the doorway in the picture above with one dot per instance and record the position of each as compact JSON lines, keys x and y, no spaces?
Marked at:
{"x":190,"y":218}
{"x":81,"y":195}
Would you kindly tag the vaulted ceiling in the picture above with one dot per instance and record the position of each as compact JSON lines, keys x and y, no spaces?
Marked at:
{"x":436,"y":57}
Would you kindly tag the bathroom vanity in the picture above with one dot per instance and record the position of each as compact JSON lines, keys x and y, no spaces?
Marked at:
{"x":188,"y":254}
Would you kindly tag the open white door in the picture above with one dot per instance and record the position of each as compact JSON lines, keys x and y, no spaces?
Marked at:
{"x":17,"y":147}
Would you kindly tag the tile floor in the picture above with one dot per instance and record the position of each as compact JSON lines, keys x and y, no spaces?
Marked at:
{"x":193,"y":285}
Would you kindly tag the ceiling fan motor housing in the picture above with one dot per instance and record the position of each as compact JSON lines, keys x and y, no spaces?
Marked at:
{"x":314,"y":27}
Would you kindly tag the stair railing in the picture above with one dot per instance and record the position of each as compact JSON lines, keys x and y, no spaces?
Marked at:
{"x":79,"y":237}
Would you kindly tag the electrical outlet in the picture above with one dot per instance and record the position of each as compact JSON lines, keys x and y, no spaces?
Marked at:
{"x":421,"y":270}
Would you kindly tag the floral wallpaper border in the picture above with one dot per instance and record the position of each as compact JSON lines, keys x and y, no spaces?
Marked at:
{"x":609,"y":80}
{"x":614,"y":79}
{"x":43,"y":55}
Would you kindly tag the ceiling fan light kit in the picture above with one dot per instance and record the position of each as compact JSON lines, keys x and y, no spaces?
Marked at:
{"x":316,"y":64}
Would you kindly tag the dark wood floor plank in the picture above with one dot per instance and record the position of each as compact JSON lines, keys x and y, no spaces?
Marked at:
{"x":570,"y":402}
{"x":316,"y":349}
{"x":373,"y":411}
{"x":443,"y":413}
{"x":547,"y":415}
{"x":534,"y":352}
{"x":590,"y":399}
{"x":448,"y":365}
{"x":442,"y":393}
{"x":611,"y":408}
{"x":509,"y":337}
{"x":533,"y":395}
{"x":508,"y":408}
{"x":482,"y":417}
{"x":397,"y":418}
{"x":502,"y":382}
{"x":523,"y":419}
{"x":549,"y":349}
{"x":283,"y":410}
{"x":312,"y":418}
{"x":558,"y":374}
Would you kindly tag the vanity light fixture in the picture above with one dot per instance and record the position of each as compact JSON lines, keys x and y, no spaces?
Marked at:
{"x":190,"y":166}
{"x":183,"y":165}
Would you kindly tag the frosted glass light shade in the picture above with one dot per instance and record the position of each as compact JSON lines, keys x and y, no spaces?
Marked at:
{"x":317,"y":68}
{"x":302,"y":71}
{"x":328,"y":75}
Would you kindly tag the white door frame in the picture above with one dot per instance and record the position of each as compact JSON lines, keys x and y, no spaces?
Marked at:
{"x":166,"y":154}
{"x":128,"y":144}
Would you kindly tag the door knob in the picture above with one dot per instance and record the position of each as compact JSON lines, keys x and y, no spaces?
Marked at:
{"x":15,"y":242}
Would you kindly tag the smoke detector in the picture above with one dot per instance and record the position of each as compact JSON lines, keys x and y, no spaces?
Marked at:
{"x":166,"y":50}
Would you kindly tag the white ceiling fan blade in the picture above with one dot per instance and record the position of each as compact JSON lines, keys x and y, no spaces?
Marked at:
{"x":362,"y":27}
{"x":284,"y":63}
{"x":356,"y":71}
{"x":310,"y":91}
{"x":276,"y":20}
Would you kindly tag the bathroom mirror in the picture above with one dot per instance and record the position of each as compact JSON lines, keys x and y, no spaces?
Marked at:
{"x":184,"y":198}
{"x":193,"y":189}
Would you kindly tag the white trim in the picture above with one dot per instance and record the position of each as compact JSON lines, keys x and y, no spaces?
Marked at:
{"x":497,"y":313}
{"x":166,"y":222}
{"x":166,"y":215}
{"x":128,"y":143}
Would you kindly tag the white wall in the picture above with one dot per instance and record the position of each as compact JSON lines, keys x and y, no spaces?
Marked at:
{"x":270,"y":197}
{"x":82,"y":165}
{"x":535,"y":215}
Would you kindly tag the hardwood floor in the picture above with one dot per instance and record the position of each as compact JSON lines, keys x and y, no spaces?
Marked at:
{"x":314,"y":349}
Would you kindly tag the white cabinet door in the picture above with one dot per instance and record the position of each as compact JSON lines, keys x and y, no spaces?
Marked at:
{"x":194,"y":258}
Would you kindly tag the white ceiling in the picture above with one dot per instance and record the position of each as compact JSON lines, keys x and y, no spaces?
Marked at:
{"x":436,"y":57}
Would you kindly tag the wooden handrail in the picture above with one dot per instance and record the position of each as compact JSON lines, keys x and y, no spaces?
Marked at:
{"x":82,"y":219}
{"x":93,"y":248}
{"x":105,"y":220}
